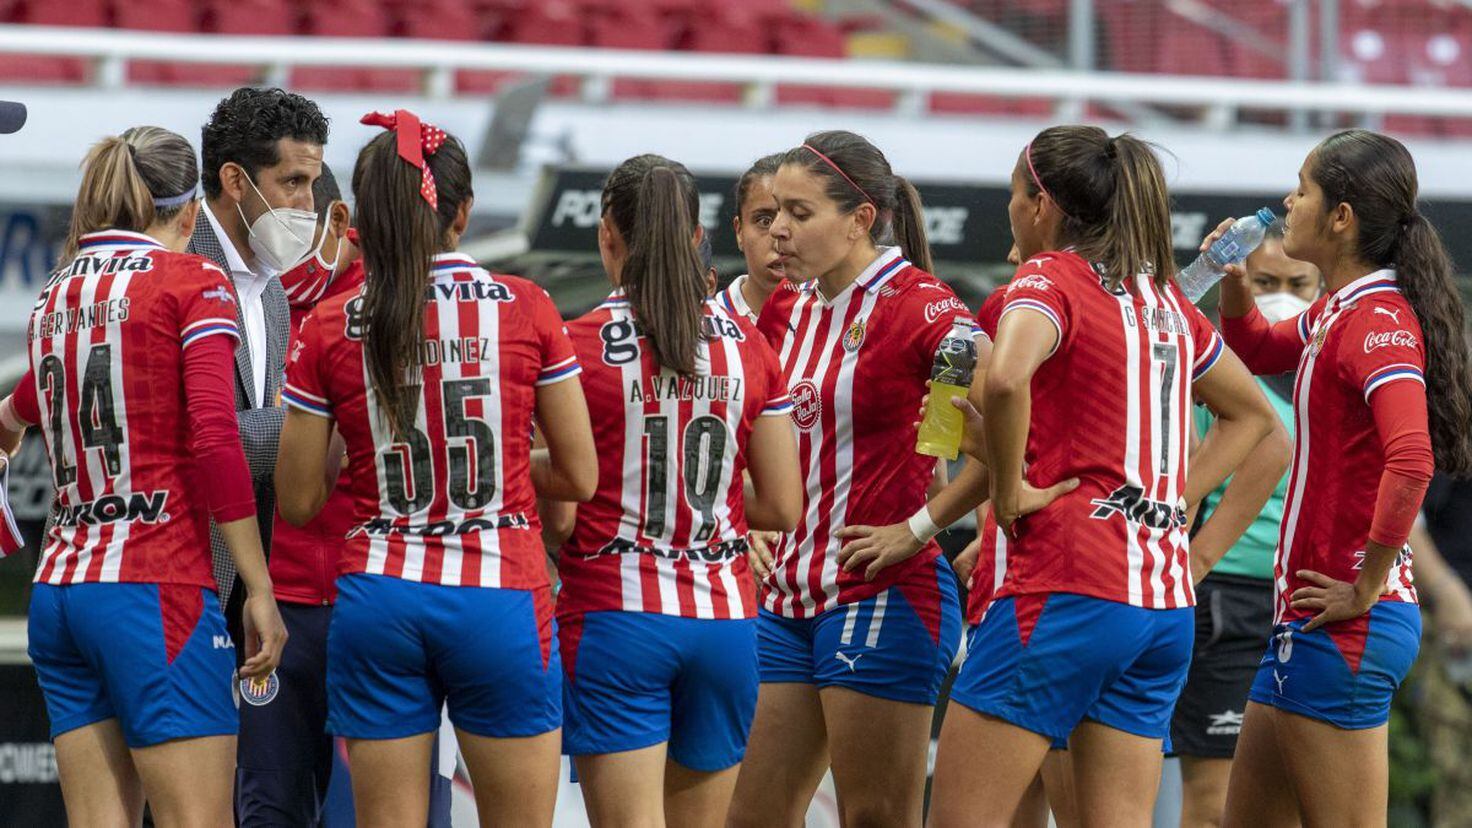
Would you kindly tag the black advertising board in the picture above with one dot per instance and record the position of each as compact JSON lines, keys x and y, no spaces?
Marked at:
{"x":967,"y":223}
{"x":30,"y":793}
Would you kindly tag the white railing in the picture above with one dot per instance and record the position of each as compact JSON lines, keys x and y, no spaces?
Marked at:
{"x":1218,"y":98}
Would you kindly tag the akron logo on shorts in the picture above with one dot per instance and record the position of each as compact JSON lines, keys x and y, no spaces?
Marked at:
{"x":806,"y":406}
{"x":260,"y":692}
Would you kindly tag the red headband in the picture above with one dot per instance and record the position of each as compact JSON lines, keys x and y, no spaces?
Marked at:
{"x":1027,"y":153}
{"x":417,"y":140}
{"x":851,"y":182}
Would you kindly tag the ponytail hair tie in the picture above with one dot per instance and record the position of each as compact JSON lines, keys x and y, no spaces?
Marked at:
{"x":416,"y":142}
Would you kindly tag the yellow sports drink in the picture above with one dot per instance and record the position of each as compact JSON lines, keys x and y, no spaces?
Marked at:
{"x":950,"y":376}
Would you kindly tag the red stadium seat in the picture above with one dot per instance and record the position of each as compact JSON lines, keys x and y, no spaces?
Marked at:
{"x":554,"y":23}
{"x":727,"y":33}
{"x":238,"y":17}
{"x":805,"y":36}
{"x":441,"y":20}
{"x":45,"y":69}
{"x":351,"y":18}
{"x":1129,"y":35}
{"x":617,"y":28}
{"x":962,"y":103}
{"x":159,"y":16}
{"x":1192,"y":50}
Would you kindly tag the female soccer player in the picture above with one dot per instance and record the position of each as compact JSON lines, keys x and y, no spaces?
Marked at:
{"x":1383,"y":391}
{"x":853,"y":649}
{"x":131,"y":345}
{"x":657,"y":611}
{"x":1234,"y":602}
{"x":1096,"y":358}
{"x":433,"y":374}
{"x":755,"y":209}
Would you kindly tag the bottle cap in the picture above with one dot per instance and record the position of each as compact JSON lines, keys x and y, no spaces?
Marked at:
{"x":1266,"y":216}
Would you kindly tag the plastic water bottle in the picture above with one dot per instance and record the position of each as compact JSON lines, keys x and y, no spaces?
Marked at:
{"x":1241,"y":238}
{"x":950,"y":376}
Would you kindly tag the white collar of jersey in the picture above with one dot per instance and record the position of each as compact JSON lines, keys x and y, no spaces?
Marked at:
{"x":116,"y":240}
{"x":1380,"y":281}
{"x":872,"y":278}
{"x":734,"y":300}
{"x":446,"y":264}
{"x":617,"y":299}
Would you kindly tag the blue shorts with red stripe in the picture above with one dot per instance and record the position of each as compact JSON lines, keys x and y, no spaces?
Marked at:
{"x":155,"y":657}
{"x":895,"y":645}
{"x":1343,"y":674}
{"x":398,"y":650}
{"x":636,"y":679}
{"x":1047,"y":662}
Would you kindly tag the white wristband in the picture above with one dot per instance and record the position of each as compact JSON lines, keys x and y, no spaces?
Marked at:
{"x":10,"y":420}
{"x":922,"y":526}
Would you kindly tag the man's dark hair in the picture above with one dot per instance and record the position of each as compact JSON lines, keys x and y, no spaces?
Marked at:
{"x":324,"y":192}
{"x":245,"y":127}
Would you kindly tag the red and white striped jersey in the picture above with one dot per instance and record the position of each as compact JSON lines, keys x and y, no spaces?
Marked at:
{"x":1361,"y":338}
{"x":856,"y":367}
{"x":666,"y":530}
{"x":451,"y":501}
{"x":1112,"y":407}
{"x":107,"y":340}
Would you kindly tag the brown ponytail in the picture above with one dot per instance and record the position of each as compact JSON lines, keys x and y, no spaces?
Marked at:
{"x":399,"y":235}
{"x":855,"y":172}
{"x":654,"y":204}
{"x":1113,"y":196}
{"x":909,"y":225}
{"x":1376,"y":176}
{"x":123,"y":175}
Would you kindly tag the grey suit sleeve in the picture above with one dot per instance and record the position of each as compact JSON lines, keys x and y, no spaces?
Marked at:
{"x":260,"y":436}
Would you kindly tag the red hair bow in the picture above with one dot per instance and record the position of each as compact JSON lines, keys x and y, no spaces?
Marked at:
{"x":417,"y":140}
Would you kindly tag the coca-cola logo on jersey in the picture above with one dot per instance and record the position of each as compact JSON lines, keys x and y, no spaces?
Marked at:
{"x":806,"y":406}
{"x":1034,"y":281}
{"x":934,"y":310}
{"x":1386,"y":339}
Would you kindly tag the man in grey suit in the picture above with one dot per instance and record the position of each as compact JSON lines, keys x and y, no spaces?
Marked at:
{"x":262,"y":150}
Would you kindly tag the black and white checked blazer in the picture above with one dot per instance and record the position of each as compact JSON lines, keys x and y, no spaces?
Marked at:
{"x":260,"y":420}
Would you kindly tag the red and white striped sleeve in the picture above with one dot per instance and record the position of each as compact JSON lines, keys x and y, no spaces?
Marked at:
{"x":559,"y":360}
{"x":1035,"y":289}
{"x":1209,"y":343}
{"x":207,"y":306}
{"x":778,"y":400}
{"x":304,"y":389}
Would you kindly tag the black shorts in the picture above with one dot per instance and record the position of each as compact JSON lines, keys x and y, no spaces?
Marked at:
{"x":1234,"y":619}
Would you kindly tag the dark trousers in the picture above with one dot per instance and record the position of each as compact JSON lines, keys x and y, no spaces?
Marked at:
{"x":283,"y":759}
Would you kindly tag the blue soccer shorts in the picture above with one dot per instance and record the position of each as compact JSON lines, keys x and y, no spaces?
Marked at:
{"x":398,"y":650}
{"x":154,"y":656}
{"x":1344,"y":674}
{"x":1045,"y":663}
{"x":636,"y":679}
{"x":895,"y":645}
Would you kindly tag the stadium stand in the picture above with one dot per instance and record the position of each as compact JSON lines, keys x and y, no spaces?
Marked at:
{"x":1403,"y":42}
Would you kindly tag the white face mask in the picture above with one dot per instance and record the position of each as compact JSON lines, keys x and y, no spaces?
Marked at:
{"x":280,"y":237}
{"x":1277,"y":307}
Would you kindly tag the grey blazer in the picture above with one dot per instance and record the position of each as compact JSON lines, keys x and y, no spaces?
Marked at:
{"x":260,"y":420}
